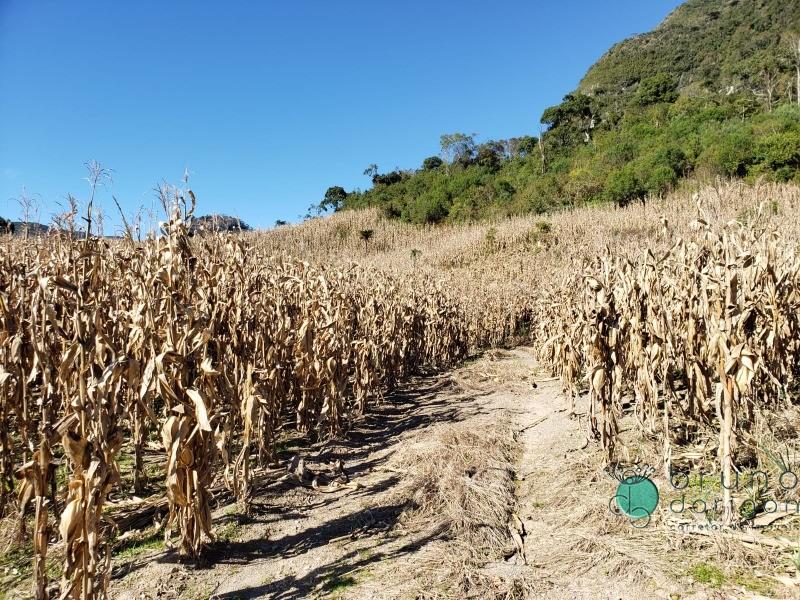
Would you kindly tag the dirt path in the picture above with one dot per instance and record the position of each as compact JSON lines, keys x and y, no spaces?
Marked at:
{"x":300,"y":543}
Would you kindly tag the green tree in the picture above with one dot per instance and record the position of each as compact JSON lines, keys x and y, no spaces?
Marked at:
{"x":388,"y":178}
{"x":334,"y":199}
{"x":431,"y":163}
{"x":490,"y":155}
{"x":572,"y":121}
{"x":371,"y":170}
{"x":779,"y":153}
{"x":527,"y":145}
{"x":658,"y":171}
{"x":431,"y":208}
{"x":780,"y":150}
{"x":731,"y":154}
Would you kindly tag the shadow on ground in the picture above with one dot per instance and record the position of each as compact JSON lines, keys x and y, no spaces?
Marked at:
{"x":412,"y":407}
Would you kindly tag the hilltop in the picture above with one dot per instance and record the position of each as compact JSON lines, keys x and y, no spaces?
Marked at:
{"x":710,"y":92}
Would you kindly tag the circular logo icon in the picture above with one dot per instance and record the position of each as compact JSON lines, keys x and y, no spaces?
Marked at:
{"x":636,"y":497}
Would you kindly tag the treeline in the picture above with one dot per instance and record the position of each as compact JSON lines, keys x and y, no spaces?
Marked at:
{"x":6,"y":227}
{"x":620,"y":139}
{"x":645,"y":153}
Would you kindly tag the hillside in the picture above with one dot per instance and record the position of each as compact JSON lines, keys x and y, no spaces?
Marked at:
{"x":707,"y":45}
{"x":711,"y":92}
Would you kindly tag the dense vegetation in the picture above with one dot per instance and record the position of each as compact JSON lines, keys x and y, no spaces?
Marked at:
{"x":713,"y":91}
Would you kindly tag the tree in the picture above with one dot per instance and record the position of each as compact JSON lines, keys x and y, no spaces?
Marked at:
{"x":540,"y":145}
{"x":746,"y":105}
{"x":432,"y":207}
{"x":794,"y":44}
{"x":333,"y":200}
{"x":732,"y":154}
{"x":280,"y":223}
{"x":395,"y":176}
{"x":490,"y":155}
{"x":6,"y":227}
{"x":571,"y":121}
{"x":371,"y":170}
{"x":769,"y":74}
{"x":457,"y":147}
{"x":527,"y":145}
{"x":431,"y":163}
{"x":780,"y":151}
{"x":366,"y":235}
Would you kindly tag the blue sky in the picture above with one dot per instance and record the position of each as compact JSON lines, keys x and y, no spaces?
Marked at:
{"x":269,"y":103}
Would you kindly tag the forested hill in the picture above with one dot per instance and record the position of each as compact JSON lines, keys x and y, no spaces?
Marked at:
{"x":712,"y":91}
{"x":706,"y":45}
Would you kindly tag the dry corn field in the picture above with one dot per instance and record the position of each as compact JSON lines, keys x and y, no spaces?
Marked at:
{"x":683,"y":313}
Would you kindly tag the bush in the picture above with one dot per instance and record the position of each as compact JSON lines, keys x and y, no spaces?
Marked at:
{"x":388,"y":178}
{"x":731,"y":155}
{"x":622,"y":186}
{"x":430,"y":209}
{"x":658,"y":88}
{"x":780,"y":151}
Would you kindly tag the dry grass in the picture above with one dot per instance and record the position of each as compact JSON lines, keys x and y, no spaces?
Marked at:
{"x":458,"y":486}
{"x":460,"y":481}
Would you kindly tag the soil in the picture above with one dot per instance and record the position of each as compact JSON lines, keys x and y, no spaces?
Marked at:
{"x":298,"y":542}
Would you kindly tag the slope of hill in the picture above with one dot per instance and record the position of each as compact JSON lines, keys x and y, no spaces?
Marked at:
{"x":711,"y":92}
{"x":708,"y":45}
{"x":22,"y":228}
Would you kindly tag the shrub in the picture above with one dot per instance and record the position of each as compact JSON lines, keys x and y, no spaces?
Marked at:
{"x":658,"y":88}
{"x":622,"y":186}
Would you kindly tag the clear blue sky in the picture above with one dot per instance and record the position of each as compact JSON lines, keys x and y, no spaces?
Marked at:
{"x":268,"y":103}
